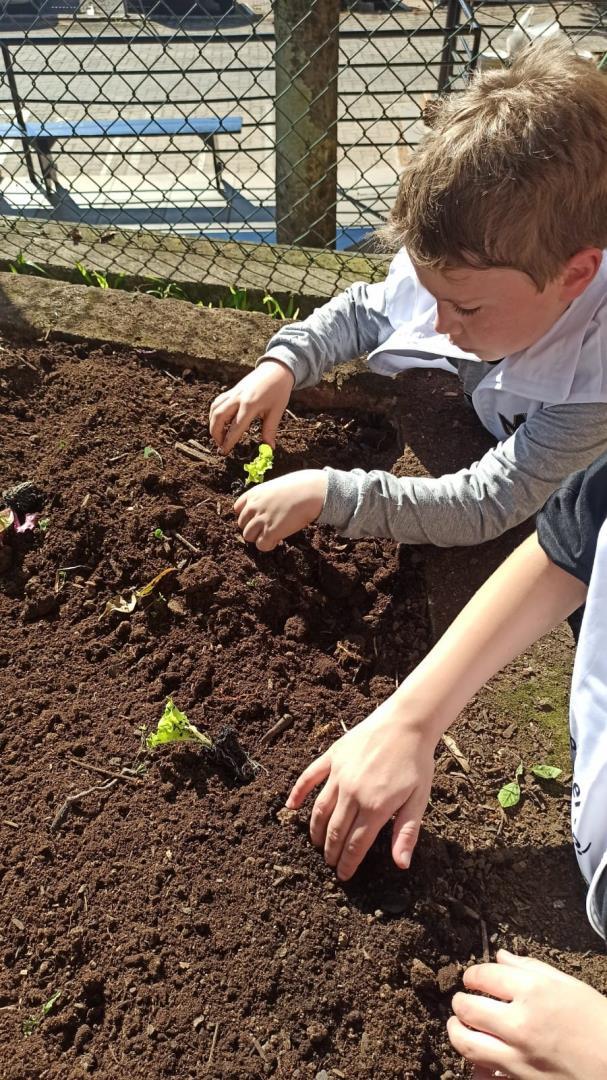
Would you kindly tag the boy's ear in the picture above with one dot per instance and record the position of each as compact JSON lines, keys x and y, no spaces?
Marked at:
{"x":579,"y":271}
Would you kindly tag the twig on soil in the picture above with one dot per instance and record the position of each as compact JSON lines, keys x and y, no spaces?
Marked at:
{"x":187,"y":544}
{"x":455,"y":752}
{"x":76,"y":798}
{"x":485,"y":940}
{"x":290,"y":414}
{"x":126,"y":774}
{"x":191,"y":451}
{"x":117,"y":457}
{"x":283,"y":724}
{"x":213,"y":1044}
{"x":260,"y":1049}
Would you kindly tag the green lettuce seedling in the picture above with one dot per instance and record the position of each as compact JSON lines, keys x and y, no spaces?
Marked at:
{"x":174,"y":726}
{"x":257,"y":468}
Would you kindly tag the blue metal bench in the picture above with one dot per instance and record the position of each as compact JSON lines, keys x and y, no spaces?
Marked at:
{"x":35,"y":135}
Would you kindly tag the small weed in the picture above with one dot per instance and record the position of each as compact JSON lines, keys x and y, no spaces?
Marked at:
{"x":32,"y":1022}
{"x":274,"y":310}
{"x":95,"y":279}
{"x":166,"y":290}
{"x":22,"y":265}
{"x":150,"y":452}
{"x":158,"y":534}
{"x":510,"y":794}
{"x":43,"y":524}
{"x":62,"y":444}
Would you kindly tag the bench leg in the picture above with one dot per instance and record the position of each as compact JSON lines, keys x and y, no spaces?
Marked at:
{"x":47,"y":167}
{"x":209,"y":142}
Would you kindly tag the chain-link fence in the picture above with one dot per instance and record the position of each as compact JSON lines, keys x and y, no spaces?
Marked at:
{"x":180,"y":123}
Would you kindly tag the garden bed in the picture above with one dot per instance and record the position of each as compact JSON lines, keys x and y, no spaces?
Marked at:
{"x":187,"y":925}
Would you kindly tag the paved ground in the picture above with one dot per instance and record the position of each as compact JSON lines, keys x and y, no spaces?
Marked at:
{"x":102,"y":64}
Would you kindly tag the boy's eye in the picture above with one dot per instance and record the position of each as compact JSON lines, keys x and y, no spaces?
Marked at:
{"x":465,"y":311}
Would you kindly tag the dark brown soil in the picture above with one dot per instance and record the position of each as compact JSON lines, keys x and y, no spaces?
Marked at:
{"x":190,"y":930}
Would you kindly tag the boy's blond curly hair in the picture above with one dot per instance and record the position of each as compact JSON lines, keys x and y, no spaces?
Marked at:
{"x":514,"y":170}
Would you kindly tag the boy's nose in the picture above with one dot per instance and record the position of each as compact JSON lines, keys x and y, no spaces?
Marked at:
{"x":447,"y":320}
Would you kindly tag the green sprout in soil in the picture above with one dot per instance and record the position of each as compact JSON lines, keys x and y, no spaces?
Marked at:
{"x":44,"y":523}
{"x":174,"y":726}
{"x":257,"y":468}
{"x":150,"y":452}
{"x":510,"y":794}
{"x":32,"y":1022}
{"x":158,"y":534}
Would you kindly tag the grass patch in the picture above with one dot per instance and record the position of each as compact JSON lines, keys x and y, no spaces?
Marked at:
{"x":541,"y":698}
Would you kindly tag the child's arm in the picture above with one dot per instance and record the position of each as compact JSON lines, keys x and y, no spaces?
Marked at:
{"x":507,"y":486}
{"x":384,"y":766}
{"x":297,"y":356}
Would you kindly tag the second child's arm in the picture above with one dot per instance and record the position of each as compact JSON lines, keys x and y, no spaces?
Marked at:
{"x":384,"y":766}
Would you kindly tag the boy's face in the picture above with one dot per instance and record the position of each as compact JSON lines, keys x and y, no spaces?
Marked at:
{"x":496,"y":312}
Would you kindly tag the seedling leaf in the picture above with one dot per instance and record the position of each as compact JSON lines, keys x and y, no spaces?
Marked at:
{"x":48,"y":1005}
{"x":150,"y":452}
{"x":257,"y":468}
{"x":546,"y":772}
{"x":509,"y":795}
{"x":519,"y":771}
{"x":174,"y":726}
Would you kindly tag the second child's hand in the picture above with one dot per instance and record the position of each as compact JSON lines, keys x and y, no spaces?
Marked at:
{"x":380,"y":769}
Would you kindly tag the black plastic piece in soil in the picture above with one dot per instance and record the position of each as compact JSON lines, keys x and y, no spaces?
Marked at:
{"x":24,"y":498}
{"x":228,"y":753}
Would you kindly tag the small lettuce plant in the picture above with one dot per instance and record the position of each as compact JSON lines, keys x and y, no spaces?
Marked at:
{"x":257,"y":469}
{"x":174,"y":726}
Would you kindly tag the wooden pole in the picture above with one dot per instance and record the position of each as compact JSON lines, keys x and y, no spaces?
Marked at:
{"x":307,"y":58}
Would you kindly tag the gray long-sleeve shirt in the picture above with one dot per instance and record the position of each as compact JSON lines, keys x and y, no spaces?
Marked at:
{"x":510,"y":482}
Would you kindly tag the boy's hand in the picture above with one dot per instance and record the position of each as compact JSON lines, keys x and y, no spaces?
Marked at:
{"x":537,"y":1023}
{"x":263,"y":393}
{"x":274,"y":510}
{"x":379,"y":768}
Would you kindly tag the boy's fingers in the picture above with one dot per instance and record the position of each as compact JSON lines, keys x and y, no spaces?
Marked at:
{"x":267,"y":541}
{"x":338,"y":829}
{"x":477,"y":1047}
{"x":495,"y":979}
{"x":252,"y":530}
{"x":362,"y":834}
{"x":238,"y":426}
{"x":483,"y":1014}
{"x":405,"y":830}
{"x":321,"y":813}
{"x":529,"y":965}
{"x":310,"y":778}
{"x":220,"y":416}
{"x":269,"y":426}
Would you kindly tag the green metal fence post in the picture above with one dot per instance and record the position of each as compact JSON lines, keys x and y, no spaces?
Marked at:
{"x":307,"y":56}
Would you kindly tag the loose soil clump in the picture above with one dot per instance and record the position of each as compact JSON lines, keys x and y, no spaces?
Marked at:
{"x":179,"y":913}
